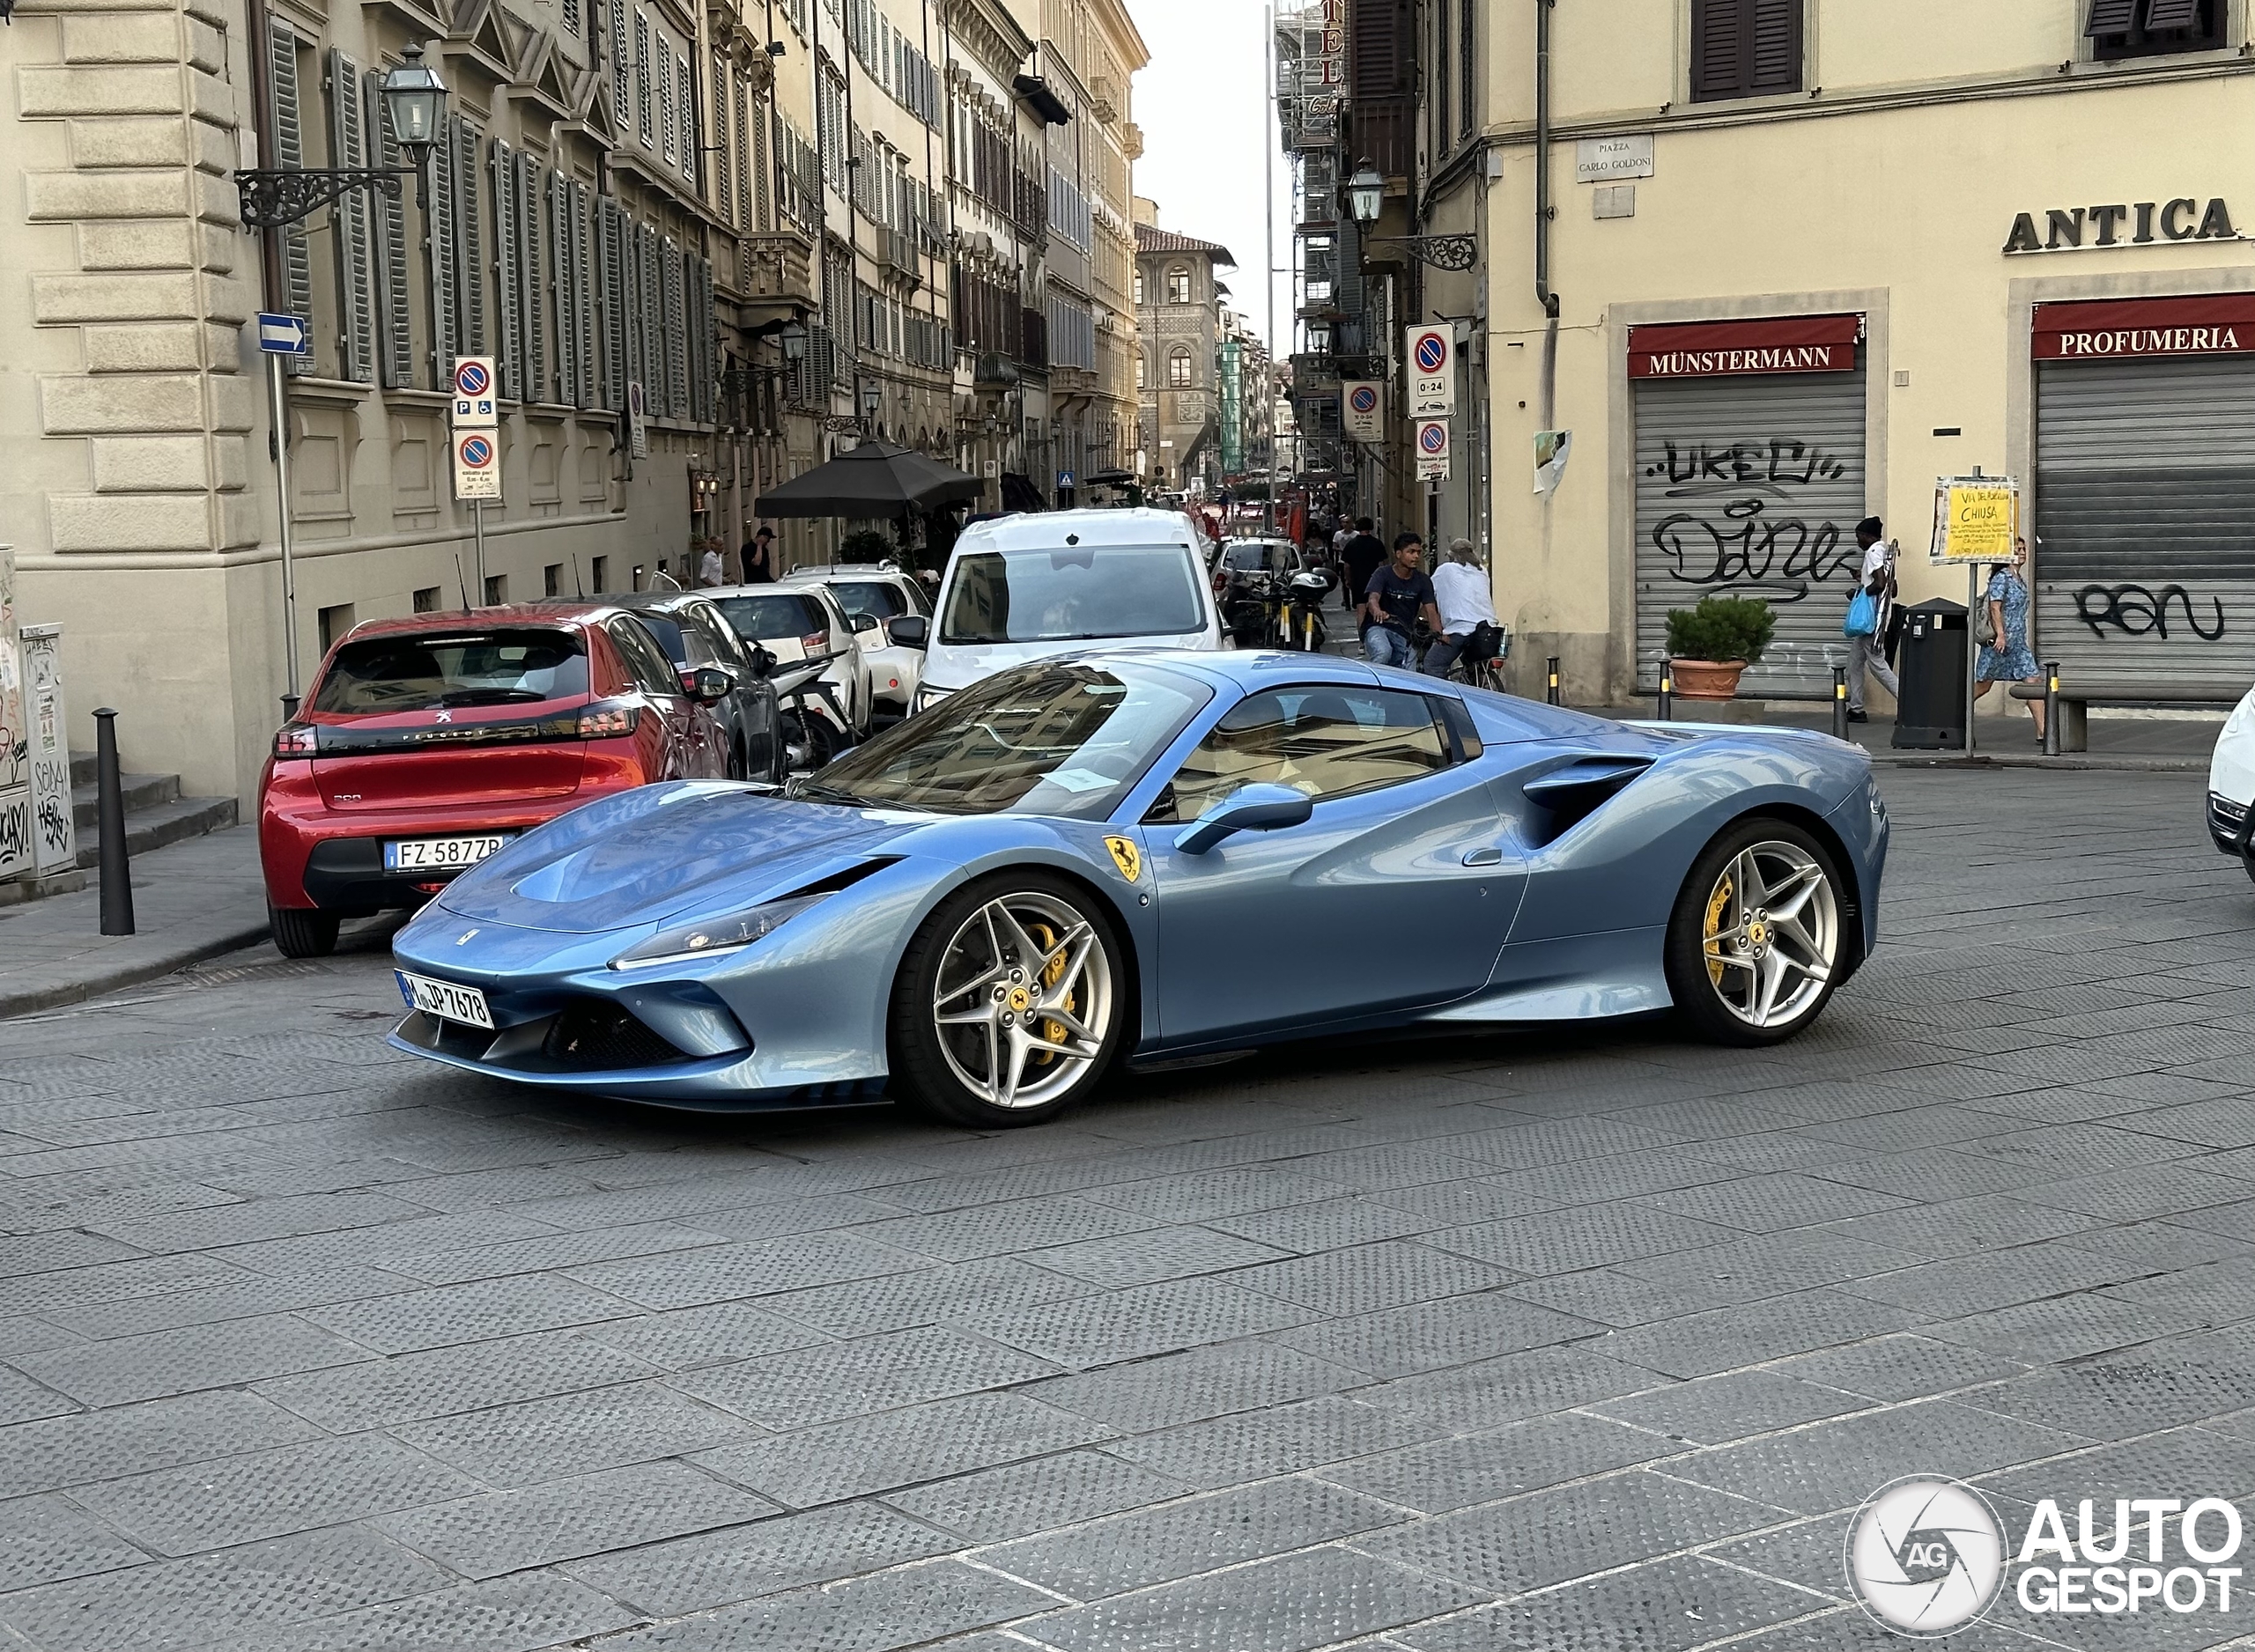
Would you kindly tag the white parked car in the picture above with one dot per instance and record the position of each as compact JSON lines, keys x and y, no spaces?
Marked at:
{"x":803,"y":622}
{"x":873,"y":597}
{"x":2231,"y":783}
{"x":1037,"y":586}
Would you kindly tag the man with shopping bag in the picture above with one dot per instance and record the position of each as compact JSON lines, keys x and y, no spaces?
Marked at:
{"x":1865,"y":624}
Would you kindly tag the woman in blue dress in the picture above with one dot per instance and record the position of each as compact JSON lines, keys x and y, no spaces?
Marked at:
{"x":2010,"y":659}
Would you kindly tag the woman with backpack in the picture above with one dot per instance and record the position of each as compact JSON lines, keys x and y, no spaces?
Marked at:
{"x":2001,"y":626}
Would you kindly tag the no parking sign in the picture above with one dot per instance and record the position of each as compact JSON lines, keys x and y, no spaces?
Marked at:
{"x":1366,"y":409}
{"x":478,"y":465}
{"x":1432,"y":450}
{"x":1432,"y":371}
{"x":473,"y":399}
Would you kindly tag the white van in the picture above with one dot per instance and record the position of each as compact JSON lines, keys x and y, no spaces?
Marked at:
{"x":1037,"y":586}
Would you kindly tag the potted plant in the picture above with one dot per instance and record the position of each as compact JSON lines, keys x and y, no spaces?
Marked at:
{"x":1709,"y":645}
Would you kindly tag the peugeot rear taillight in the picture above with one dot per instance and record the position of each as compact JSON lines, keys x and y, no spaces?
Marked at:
{"x":296,"y":739}
{"x":608,"y":720}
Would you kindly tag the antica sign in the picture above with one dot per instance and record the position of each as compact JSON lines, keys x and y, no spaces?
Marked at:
{"x":2065,"y":228}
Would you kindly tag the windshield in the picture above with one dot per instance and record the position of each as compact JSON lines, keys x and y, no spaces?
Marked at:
{"x":1058,"y":738}
{"x":414,"y":673}
{"x":1246,"y":558}
{"x":869,"y":596}
{"x":1072,"y":594}
{"x":774,"y":615}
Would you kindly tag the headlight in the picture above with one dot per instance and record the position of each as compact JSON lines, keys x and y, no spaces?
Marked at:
{"x":707,"y":936}
{"x":927,"y":697}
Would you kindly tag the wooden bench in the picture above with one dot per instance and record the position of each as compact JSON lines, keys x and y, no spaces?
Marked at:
{"x":2079,"y":694}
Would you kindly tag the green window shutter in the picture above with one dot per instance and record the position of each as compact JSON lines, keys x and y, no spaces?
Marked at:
{"x":395,"y":323}
{"x":356,"y":273}
{"x":287,"y":145}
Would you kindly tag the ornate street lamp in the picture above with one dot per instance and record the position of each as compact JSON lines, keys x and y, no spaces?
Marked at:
{"x":1366,"y":199}
{"x":1367,"y":195}
{"x":792,"y":337}
{"x":415,"y":101}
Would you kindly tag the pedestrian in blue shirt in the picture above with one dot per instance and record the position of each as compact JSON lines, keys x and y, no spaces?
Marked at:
{"x":1398,"y":596}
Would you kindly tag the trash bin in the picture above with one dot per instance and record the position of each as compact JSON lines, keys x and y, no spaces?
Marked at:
{"x":1931,"y":662}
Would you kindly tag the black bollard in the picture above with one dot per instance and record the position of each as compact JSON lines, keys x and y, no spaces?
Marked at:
{"x":1554,"y":696}
{"x":2051,"y":708}
{"x":110,"y":813}
{"x":1666,"y":708}
{"x":1839,"y":702}
{"x":289,"y":708}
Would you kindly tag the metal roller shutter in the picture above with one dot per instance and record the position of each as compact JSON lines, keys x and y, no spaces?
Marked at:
{"x":1751,"y":485}
{"x":2145,"y":518}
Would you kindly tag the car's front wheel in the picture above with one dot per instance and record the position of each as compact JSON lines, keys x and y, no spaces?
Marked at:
{"x":1009,"y":1004}
{"x":300,"y":933}
{"x":1757,"y":939}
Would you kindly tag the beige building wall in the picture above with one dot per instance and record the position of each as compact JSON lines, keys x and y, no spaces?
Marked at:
{"x":1888,"y":189}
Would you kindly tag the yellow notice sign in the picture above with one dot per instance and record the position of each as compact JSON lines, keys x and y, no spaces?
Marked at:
{"x":1975,"y":519}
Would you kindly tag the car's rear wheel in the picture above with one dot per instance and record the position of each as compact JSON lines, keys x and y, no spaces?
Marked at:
{"x":1010,"y":1003}
{"x":1757,"y":941}
{"x":300,"y":933}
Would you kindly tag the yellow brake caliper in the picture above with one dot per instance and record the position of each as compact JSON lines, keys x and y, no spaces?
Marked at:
{"x":1054,"y":1031}
{"x":1716,"y":907}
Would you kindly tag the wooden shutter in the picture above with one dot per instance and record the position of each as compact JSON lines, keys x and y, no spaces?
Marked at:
{"x":2172,"y":14}
{"x":1745,"y":48}
{"x":560,"y":301}
{"x":446,"y":283}
{"x":724,"y":175}
{"x":1775,"y":51}
{"x":395,"y":328}
{"x":1718,"y":55}
{"x":2111,"y":17}
{"x":469,"y":231}
{"x":571,"y":17}
{"x":611,"y":298}
{"x":508,"y":256}
{"x":585,"y":318}
{"x":641,"y":303}
{"x":287,"y":144}
{"x":356,"y":273}
{"x":676,"y":324}
{"x":531,"y":276}
{"x":621,"y":70}
{"x":1375,"y":57}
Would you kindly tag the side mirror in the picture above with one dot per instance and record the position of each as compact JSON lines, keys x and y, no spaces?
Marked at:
{"x":865,"y":622}
{"x":1252,"y":808}
{"x":708,"y":685}
{"x":910,"y":631}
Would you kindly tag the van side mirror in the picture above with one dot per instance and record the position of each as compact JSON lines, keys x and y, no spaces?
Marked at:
{"x":1256,"y":809}
{"x":910,"y":631}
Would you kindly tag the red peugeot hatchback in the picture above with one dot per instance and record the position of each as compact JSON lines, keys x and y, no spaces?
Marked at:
{"x":422,"y":745}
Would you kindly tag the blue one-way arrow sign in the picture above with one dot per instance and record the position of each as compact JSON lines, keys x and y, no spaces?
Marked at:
{"x":284,"y":334}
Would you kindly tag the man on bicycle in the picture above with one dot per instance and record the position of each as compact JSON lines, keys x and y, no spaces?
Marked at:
{"x":1396,"y":598}
{"x":1460,"y":590}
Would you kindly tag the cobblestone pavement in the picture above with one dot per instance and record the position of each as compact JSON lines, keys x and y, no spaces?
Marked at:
{"x":1585,"y":1339}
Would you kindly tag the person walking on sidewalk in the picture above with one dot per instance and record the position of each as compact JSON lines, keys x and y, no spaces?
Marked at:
{"x":1361,"y":555}
{"x":1868,"y":654}
{"x":2007,"y":658}
{"x":1397,"y":597}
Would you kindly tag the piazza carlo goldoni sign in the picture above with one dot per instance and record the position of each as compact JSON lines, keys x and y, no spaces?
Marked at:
{"x":2136,"y":224}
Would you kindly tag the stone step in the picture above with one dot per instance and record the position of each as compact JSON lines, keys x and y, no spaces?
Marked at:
{"x":167,"y":822}
{"x":142,"y":791}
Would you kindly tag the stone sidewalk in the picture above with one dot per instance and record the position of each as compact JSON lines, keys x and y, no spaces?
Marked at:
{"x":1568,"y":1339}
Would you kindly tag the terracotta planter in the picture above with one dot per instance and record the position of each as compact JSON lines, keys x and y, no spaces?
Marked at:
{"x":1706,"y":679}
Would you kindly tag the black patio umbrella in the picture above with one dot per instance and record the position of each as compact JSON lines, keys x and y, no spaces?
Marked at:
{"x":877,"y":479}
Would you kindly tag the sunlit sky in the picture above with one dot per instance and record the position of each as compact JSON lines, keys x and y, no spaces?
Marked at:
{"x":1208,"y":131}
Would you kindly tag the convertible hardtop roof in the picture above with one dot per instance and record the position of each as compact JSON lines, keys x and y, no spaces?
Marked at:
{"x":1046,"y":530}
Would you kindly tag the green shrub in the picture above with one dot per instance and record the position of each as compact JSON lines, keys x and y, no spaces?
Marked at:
{"x":867,"y":545}
{"x":1720,"y":628}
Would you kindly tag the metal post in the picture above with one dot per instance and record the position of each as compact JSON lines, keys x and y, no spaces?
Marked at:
{"x":2051,"y":708}
{"x":1666,"y":711}
{"x":289,"y":708}
{"x":1840,"y":702}
{"x":477,"y":534}
{"x":278,"y":406}
{"x":1972,"y":653}
{"x":1552,"y":693}
{"x":109,"y":815}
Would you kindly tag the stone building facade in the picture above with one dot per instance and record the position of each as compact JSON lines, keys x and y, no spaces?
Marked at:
{"x":1178,"y":374}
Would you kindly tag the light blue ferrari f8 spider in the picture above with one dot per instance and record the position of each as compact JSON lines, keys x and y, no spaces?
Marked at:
{"x":1149,"y":856}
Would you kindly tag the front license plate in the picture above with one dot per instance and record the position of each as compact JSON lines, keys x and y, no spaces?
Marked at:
{"x":446,"y":1000}
{"x":440,"y":854}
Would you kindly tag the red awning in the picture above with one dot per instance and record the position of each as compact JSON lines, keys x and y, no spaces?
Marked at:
{"x":1792,"y":343}
{"x":2105,"y":329}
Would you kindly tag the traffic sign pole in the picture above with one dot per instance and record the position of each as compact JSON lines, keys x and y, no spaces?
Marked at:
{"x":278,"y":404}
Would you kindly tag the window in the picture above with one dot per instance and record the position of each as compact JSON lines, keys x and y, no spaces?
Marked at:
{"x":644,"y":658}
{"x":497,"y":589}
{"x":1073,"y":593}
{"x":599,"y":571}
{"x":1464,"y":42}
{"x":417,"y":673}
{"x":1178,"y":286}
{"x":1178,"y":369}
{"x":1139,"y":371}
{"x":1745,"y":48}
{"x":552,"y":580}
{"x":2147,"y":28}
{"x":335,"y":621}
{"x":1325,"y":742}
{"x":426,"y":599}
{"x":1139,"y":286}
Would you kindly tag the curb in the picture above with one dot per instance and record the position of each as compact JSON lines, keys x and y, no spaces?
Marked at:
{"x":2068,"y":761}
{"x":147,"y":967}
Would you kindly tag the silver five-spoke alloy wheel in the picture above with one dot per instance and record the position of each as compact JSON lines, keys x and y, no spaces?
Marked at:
{"x":1024,"y":1000}
{"x":1773,"y":933}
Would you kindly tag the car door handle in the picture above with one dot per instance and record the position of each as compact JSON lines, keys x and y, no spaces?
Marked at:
{"x":1484,"y":857}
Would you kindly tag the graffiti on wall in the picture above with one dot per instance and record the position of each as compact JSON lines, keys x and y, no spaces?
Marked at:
{"x":1738,"y":530}
{"x":2134,"y":610}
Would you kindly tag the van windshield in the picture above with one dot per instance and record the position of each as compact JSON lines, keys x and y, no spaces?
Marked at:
{"x":1071,"y":594}
{"x":416,"y":672}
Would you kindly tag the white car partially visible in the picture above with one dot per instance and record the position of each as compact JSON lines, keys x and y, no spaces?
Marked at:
{"x":798,"y":623}
{"x":2231,"y":783}
{"x":1021,"y":589}
{"x":880,"y":594}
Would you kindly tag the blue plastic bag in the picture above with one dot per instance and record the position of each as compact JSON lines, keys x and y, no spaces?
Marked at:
{"x":1863,"y":615}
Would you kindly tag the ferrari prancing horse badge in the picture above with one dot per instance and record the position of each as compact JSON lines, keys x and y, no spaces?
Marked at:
{"x":1126,"y":856}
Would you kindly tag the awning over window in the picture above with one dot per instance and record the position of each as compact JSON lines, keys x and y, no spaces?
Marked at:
{"x":1793,"y":343}
{"x":2209,"y":324}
